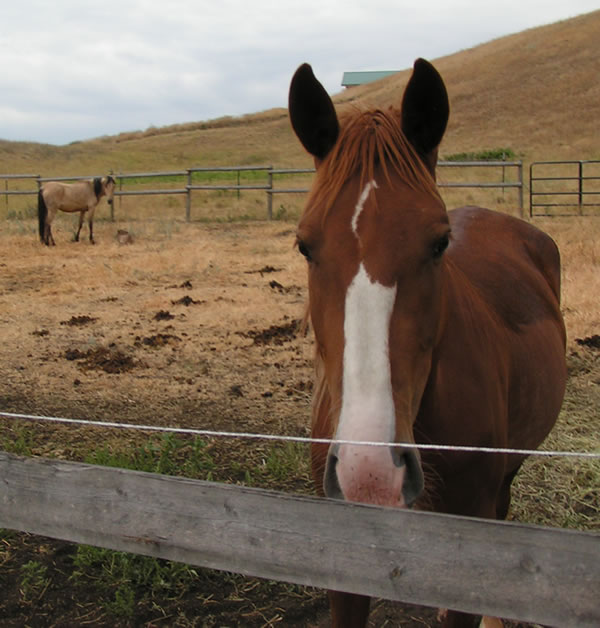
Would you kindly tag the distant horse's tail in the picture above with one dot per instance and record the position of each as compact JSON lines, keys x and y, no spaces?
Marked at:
{"x":42,"y":214}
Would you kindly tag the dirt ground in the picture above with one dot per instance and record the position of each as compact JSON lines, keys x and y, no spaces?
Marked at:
{"x":189,"y":326}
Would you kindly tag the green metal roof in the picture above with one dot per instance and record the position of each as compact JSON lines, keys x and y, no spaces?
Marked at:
{"x":360,"y":78}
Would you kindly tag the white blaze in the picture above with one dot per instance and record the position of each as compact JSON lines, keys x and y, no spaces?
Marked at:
{"x":361,"y":205}
{"x":367,"y":402}
{"x":367,"y":412}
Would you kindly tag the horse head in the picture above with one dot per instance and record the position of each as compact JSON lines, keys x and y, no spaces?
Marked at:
{"x":109,"y":188}
{"x":374,"y":232}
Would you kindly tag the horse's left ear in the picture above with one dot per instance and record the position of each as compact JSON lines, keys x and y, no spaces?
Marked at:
{"x":312,"y":113}
{"x":425,"y":111}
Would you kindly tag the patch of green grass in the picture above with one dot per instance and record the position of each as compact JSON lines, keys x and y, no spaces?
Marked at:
{"x":123,"y":580}
{"x":286,"y":460}
{"x":280,"y":466}
{"x":208,"y":177}
{"x":166,"y":454}
{"x":494,"y":154}
{"x":27,"y":213}
{"x":33,"y":581}
{"x":19,"y":441}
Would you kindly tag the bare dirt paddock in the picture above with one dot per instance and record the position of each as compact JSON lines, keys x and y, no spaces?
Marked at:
{"x":196,"y":326}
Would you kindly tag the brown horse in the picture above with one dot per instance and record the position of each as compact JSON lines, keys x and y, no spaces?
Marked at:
{"x":81,"y":197}
{"x":431,"y":326}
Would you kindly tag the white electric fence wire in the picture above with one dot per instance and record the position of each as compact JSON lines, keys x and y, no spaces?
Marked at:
{"x":301,"y":439}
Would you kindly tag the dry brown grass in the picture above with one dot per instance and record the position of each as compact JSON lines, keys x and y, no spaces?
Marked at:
{"x":578,"y":239}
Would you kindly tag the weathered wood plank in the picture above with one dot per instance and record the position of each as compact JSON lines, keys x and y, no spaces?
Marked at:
{"x":507,"y":570}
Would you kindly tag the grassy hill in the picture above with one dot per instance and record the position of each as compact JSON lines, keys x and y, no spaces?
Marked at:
{"x":536,"y":92}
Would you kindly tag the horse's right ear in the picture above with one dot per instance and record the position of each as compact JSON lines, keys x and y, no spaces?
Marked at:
{"x":312,"y":113}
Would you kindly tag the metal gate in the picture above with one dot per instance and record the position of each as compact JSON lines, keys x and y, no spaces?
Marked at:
{"x":564,"y":188}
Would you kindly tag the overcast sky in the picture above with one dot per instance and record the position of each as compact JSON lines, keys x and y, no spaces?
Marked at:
{"x":74,"y":69}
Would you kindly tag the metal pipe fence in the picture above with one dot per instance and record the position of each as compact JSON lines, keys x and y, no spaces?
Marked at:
{"x":563,"y":184}
{"x":199,"y":179}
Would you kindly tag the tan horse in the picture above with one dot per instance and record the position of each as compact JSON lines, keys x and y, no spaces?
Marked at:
{"x":431,"y":326}
{"x":81,"y":197}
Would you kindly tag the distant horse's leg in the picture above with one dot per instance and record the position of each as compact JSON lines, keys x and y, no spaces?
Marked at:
{"x":348,"y":610}
{"x":42,"y":216}
{"x":48,"y":238}
{"x":81,"y":213}
{"x":91,"y":223}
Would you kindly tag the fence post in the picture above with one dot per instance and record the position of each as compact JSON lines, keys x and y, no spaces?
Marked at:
{"x":580,"y":195}
{"x":112,"y":205}
{"x":188,"y":196}
{"x":531,"y":165}
{"x":270,"y":193}
{"x":120,"y":190}
{"x":520,"y":170}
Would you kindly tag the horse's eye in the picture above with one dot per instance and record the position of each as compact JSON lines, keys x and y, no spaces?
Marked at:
{"x":304,"y":250}
{"x":440,"y":246}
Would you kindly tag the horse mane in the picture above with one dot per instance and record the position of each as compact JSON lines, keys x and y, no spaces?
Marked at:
{"x":368,"y":139}
{"x":98,"y":187}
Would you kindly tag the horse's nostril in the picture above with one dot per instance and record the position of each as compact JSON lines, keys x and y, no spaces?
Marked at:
{"x":414,"y":482}
{"x":331,"y":484}
{"x":398,"y":457}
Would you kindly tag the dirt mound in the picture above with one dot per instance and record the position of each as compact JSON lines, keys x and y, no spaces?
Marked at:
{"x":107,"y":359}
{"x":263,"y":270}
{"x":163,"y":315}
{"x":79,"y":321}
{"x":276,"y":334}
{"x":187,"y":301}
{"x":157,"y":340}
{"x":592,"y":342}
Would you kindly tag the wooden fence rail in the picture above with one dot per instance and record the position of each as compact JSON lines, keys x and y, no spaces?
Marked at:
{"x":187,"y":186}
{"x":528,"y":573}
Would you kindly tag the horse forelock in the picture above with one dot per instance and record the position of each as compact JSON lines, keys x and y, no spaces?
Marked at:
{"x":367,"y":140}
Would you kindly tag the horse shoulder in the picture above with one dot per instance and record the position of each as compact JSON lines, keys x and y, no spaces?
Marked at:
{"x":506,"y":273}
{"x":514,"y":266}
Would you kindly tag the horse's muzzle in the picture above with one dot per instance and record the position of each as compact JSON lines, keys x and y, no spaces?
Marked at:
{"x":387,"y":476}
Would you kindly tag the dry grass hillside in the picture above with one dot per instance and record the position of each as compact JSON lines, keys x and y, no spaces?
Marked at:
{"x":536,"y":92}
